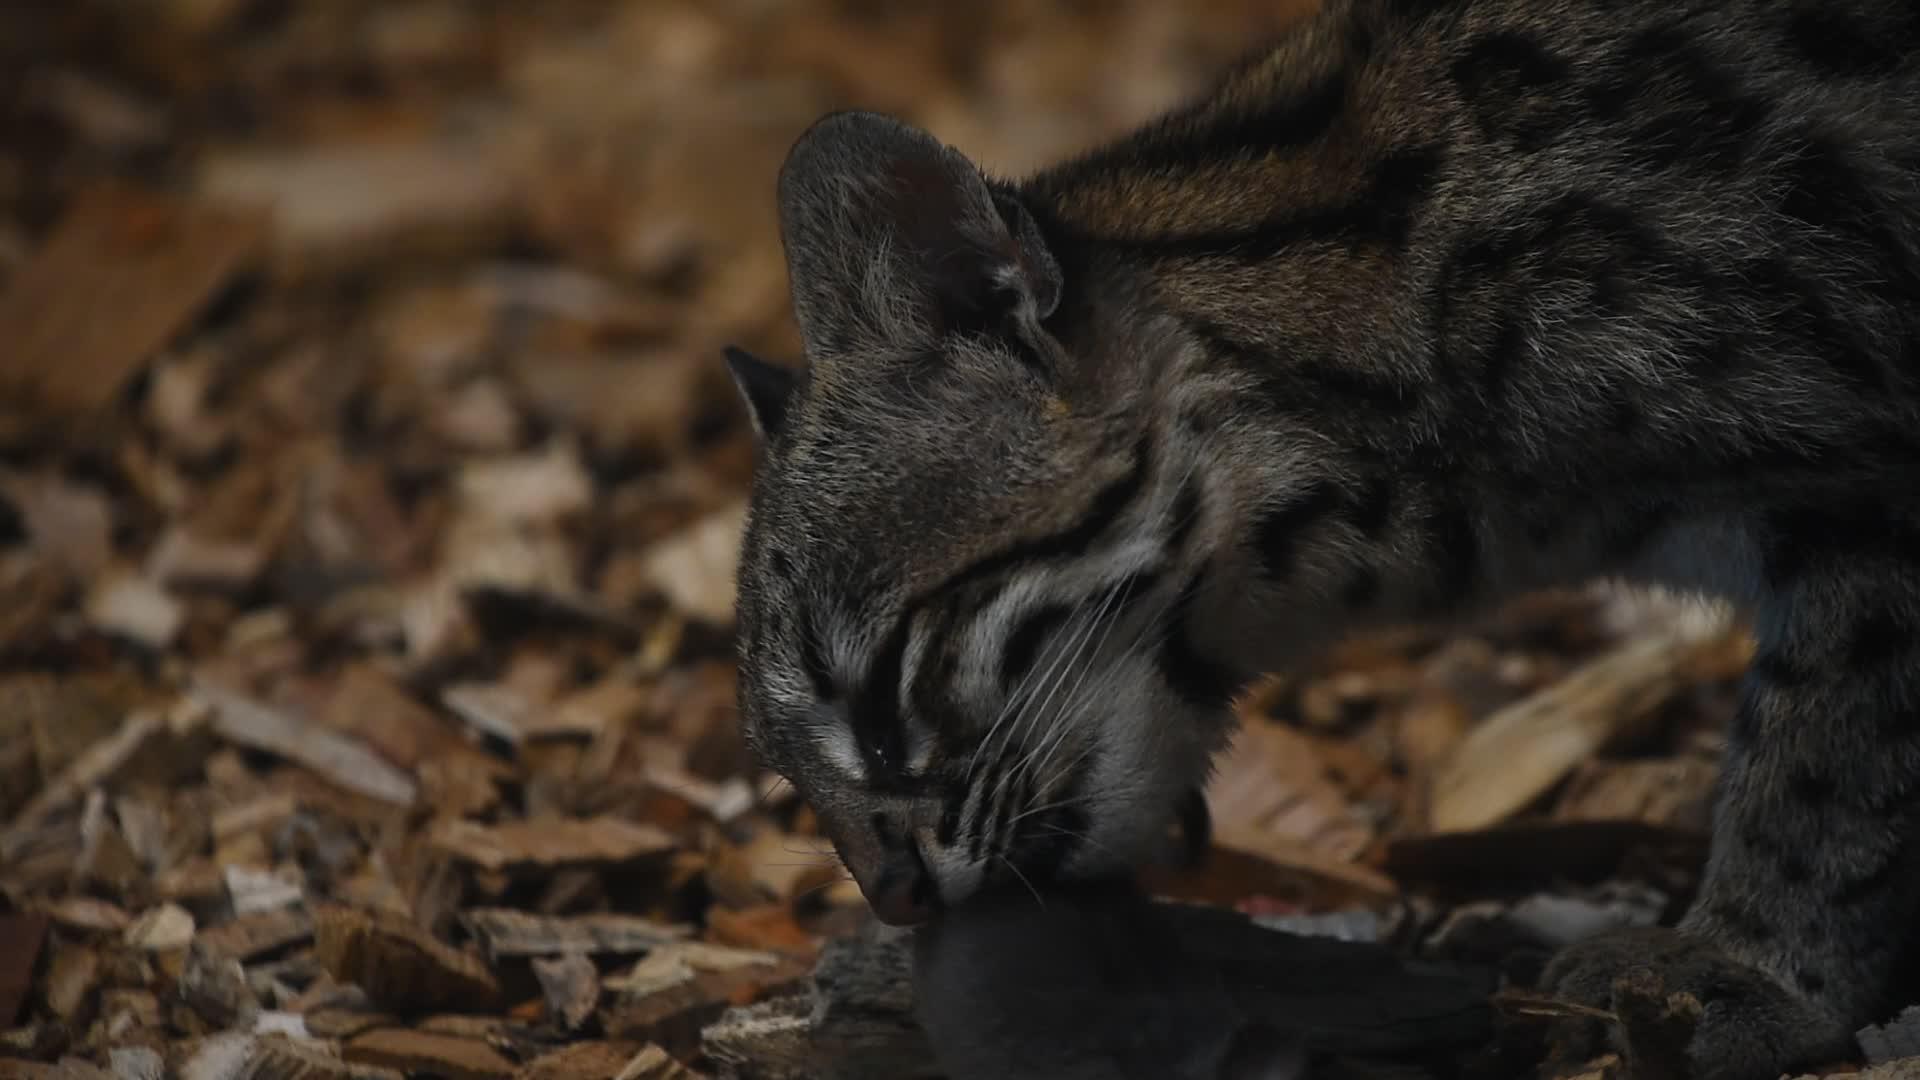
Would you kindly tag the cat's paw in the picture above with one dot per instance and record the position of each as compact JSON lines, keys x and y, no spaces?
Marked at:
{"x":1750,"y":1026}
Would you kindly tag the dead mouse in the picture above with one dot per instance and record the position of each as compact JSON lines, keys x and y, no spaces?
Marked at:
{"x":1088,"y":982}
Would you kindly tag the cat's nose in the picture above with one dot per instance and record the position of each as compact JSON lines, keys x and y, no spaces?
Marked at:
{"x":905,"y":893}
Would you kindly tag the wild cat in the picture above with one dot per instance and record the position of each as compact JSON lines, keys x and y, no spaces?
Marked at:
{"x":1434,"y":302}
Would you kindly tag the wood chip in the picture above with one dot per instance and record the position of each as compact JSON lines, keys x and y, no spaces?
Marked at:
{"x":367,"y":703}
{"x":71,"y":978}
{"x":184,"y":559}
{"x":497,"y":712}
{"x":696,"y":569}
{"x":258,"y":935}
{"x":90,"y":914}
{"x":571,"y":985}
{"x":151,"y":260}
{"x":161,"y":929}
{"x":673,"y":1015}
{"x":537,"y":487}
{"x":1675,"y":792}
{"x":136,"y":1063}
{"x":214,"y":985}
{"x":768,"y":927}
{"x":261,"y":814}
{"x":135,"y":608}
{"x":1522,"y":750}
{"x":398,"y":964}
{"x":335,"y":205}
{"x":548,"y":845}
{"x":20,"y":938}
{"x":1245,"y":863}
{"x":344,"y":762}
{"x":87,"y":772}
{"x":579,"y":1059}
{"x":505,"y":933}
{"x":256,"y":891}
{"x":279,"y":1057}
{"x":654,"y":1063}
{"x":418,"y":1052}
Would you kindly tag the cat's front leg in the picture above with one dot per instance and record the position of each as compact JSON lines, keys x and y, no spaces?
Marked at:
{"x":1811,"y":889}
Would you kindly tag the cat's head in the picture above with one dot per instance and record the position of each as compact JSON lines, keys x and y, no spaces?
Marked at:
{"x":967,"y":543}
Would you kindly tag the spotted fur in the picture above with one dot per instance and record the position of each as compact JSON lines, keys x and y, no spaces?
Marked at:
{"x":1433,"y":302}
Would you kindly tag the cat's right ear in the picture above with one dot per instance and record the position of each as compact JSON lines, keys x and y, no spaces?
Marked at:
{"x":894,"y":240}
{"x":765,"y":388}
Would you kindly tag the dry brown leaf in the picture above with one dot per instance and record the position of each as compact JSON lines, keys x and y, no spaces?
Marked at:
{"x":1521,"y":751}
{"x":549,"y":845}
{"x":571,"y":986}
{"x":420,"y":1052}
{"x":21,"y":935}
{"x":340,"y":204}
{"x":344,"y":762}
{"x":504,"y":933}
{"x":398,"y":964}
{"x":149,"y":260}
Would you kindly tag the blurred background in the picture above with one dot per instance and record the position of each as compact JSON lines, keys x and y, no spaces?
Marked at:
{"x":369,"y":489}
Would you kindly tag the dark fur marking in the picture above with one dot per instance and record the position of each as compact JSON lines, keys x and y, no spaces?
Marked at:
{"x":1256,"y":133}
{"x":1810,"y":787}
{"x":1863,"y":529}
{"x":1794,"y":869}
{"x":1838,"y":46}
{"x":1687,"y":109}
{"x":1503,"y":356}
{"x":1772,"y":668}
{"x":814,"y":662}
{"x":1276,"y":535}
{"x":1280,"y":381}
{"x":1106,"y":508}
{"x":1826,"y":191}
{"x":1195,"y":677}
{"x":1792,"y":538}
{"x":1373,"y":507}
{"x":1513,"y":86}
{"x":1454,"y":549}
{"x":1877,"y":638}
{"x":1861,"y":886}
{"x":1741,"y":921}
{"x":1797,"y":308}
{"x":1186,"y":516}
{"x":1810,"y":981}
{"x":1361,"y":589}
{"x":1022,"y":647}
{"x":1381,"y":213}
{"x":1624,"y":418}
{"x":874,"y":709}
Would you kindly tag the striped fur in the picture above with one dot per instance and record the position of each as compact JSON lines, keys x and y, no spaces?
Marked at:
{"x":1434,"y":302}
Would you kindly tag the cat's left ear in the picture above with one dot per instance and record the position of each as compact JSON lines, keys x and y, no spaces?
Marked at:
{"x":765,"y":388}
{"x":893,"y":238}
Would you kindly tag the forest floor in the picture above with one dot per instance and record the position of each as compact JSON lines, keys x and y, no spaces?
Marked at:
{"x":370,"y":484}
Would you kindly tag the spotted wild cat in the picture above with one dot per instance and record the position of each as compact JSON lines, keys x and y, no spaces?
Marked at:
{"x":1435,"y":302}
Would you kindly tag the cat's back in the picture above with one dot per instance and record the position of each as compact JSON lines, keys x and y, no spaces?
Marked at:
{"x":1555,"y":203}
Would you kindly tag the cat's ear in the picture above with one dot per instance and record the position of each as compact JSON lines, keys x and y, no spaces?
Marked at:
{"x":895,"y":239}
{"x":766,"y":388}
